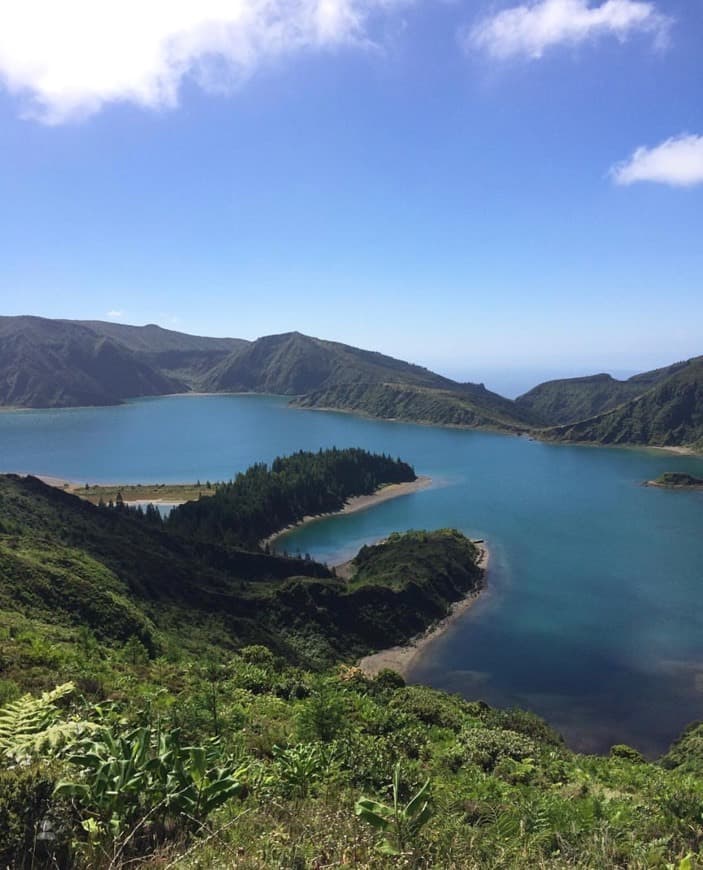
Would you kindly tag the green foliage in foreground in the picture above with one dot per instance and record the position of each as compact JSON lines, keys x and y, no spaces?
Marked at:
{"x":248,"y":762}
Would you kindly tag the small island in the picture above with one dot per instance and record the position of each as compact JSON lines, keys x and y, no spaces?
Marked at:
{"x":676,"y":480}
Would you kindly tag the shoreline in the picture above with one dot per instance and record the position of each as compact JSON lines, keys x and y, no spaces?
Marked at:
{"x":355,"y":504}
{"x":514,"y":431}
{"x":401,"y":658}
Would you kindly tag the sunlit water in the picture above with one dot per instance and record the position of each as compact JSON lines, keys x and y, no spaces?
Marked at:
{"x":592,"y":616}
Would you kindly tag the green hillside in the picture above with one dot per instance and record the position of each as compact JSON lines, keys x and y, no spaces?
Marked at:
{"x":187,"y":358}
{"x":51,"y":363}
{"x":669,"y":414}
{"x":70,"y":564}
{"x":293,"y":364}
{"x":570,"y":400}
{"x":463,"y":405}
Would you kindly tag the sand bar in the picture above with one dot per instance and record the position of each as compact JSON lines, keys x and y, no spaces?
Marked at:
{"x":400,"y":658}
{"x":357,"y":503}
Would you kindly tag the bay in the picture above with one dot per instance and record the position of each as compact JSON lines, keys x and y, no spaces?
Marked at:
{"x":592,"y":616}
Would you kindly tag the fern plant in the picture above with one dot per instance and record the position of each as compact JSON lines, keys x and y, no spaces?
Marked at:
{"x":33,"y":726}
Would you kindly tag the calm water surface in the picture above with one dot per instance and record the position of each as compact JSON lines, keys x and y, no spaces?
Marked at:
{"x":593,"y":613}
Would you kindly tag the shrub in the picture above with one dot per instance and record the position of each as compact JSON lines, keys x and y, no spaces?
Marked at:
{"x":323,"y":716}
{"x":389,"y":679}
{"x":429,"y":706}
{"x":26,"y":807}
{"x":486,"y":747}
{"x":622,"y":750}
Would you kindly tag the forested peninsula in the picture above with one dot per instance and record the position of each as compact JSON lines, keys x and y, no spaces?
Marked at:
{"x":265,"y":499}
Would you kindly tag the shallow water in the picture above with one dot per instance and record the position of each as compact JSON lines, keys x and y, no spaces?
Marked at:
{"x":592,"y":616}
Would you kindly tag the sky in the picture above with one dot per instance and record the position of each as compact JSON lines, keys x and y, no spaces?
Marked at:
{"x":503,"y":191}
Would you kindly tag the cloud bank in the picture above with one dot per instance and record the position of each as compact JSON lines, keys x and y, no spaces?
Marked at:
{"x":68,"y":58}
{"x":677,"y":161}
{"x":529,"y":29}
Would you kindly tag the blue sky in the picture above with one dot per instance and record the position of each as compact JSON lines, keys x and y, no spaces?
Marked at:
{"x":498,"y":190}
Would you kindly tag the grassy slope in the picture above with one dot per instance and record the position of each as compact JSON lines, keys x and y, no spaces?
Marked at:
{"x":293,"y":364}
{"x":158,"y":492}
{"x":49,"y":363}
{"x":324,"y":374}
{"x":669,"y":414}
{"x":572,"y":399}
{"x":504,"y":790}
{"x":417,"y":404}
{"x":66,"y":562}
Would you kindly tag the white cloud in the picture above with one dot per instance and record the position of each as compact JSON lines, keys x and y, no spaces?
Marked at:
{"x":531,"y":28}
{"x":70,"y":57}
{"x":677,"y":161}
{"x":115,"y":315}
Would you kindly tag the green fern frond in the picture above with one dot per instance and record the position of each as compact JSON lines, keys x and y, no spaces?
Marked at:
{"x":29,"y":723}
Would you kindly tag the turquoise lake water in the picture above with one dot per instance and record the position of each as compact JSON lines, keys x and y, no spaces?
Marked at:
{"x":592,"y":616}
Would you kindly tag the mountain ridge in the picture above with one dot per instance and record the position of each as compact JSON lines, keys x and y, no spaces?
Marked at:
{"x":65,"y":363}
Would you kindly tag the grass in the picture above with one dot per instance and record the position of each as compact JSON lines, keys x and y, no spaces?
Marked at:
{"x":154,"y":492}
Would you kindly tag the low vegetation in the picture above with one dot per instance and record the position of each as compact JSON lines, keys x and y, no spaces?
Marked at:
{"x":244,"y":760}
{"x":171,"y":493}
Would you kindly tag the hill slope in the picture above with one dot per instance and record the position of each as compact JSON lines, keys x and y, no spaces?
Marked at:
{"x":69,"y":564}
{"x":292,"y":364}
{"x":669,"y":414}
{"x":326,"y":374}
{"x":188,"y":358}
{"x":53,"y":363}
{"x":463,"y":405}
{"x":569,"y":400}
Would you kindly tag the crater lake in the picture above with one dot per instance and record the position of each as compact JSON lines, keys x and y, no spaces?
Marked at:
{"x":591,"y":616}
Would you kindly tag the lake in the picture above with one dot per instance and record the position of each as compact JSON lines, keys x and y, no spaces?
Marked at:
{"x":592,"y":614}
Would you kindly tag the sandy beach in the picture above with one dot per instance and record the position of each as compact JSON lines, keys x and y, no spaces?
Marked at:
{"x":357,"y":503}
{"x":400,"y":658}
{"x":682,"y":451}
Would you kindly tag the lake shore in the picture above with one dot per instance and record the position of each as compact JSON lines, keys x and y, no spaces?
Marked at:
{"x":401,"y":658}
{"x":357,"y":503}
